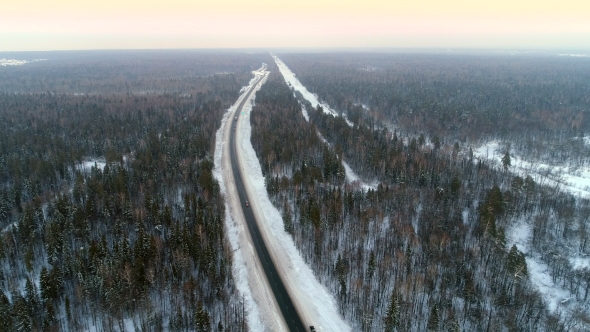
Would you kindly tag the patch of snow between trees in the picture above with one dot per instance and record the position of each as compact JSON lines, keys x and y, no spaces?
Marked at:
{"x":573,"y":180}
{"x":580,"y":263}
{"x":304,"y":112}
{"x":86,"y":166}
{"x":520,"y":234}
{"x":353,"y":178}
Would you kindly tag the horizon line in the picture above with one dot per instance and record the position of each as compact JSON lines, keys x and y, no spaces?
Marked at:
{"x":312,"y":48}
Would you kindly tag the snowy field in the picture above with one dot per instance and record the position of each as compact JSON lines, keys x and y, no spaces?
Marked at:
{"x":575,"y":181}
{"x":13,"y":62}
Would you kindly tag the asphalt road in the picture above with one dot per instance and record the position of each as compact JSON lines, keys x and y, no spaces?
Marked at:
{"x":278,"y":288}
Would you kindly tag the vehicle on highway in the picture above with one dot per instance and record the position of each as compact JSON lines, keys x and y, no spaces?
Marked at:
{"x":236,"y":118}
{"x":247,"y":205}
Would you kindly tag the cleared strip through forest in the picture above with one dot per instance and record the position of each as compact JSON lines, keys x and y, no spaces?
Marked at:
{"x":282,"y":296}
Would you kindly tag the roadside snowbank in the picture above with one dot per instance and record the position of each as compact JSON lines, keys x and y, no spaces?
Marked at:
{"x":314,"y":299}
{"x":233,"y":228}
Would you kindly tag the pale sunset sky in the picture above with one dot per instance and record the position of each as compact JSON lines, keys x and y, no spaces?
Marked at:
{"x":39,"y":25}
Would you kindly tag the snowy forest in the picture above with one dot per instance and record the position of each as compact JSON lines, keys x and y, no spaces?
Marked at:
{"x":111,"y":218}
{"x":431,"y":242}
{"x":109,"y":214}
{"x":464,"y":97}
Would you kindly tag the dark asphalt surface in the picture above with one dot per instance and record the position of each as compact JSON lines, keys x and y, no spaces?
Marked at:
{"x":280,"y":292}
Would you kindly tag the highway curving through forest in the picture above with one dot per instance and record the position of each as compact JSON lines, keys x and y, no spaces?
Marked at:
{"x":283,"y":299}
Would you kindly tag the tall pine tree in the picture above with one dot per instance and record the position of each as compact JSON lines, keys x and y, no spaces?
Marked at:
{"x":392,"y":315}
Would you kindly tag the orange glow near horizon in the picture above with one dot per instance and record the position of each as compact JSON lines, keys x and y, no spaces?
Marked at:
{"x":66,"y":24}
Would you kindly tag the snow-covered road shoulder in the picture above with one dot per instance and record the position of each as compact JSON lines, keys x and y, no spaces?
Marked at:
{"x":313,"y":301}
{"x":247,"y":277}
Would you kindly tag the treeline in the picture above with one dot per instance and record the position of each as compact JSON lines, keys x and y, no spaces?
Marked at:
{"x":44,"y":134}
{"x":135,"y":242}
{"x":426,"y":248}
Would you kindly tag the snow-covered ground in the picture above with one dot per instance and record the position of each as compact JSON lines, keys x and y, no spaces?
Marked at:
{"x":127,"y":322}
{"x":575,"y":181}
{"x":353,"y":178}
{"x":294,"y":83}
{"x":554,"y":295}
{"x":304,"y":112}
{"x":14,"y":62}
{"x":575,"y":55}
{"x":579,"y":262}
{"x":86,"y":166}
{"x":520,"y":234}
{"x":8,"y":227}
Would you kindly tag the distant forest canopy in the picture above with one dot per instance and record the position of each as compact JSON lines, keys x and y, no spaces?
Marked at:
{"x":138,"y":239}
{"x":147,"y":71}
{"x":465,"y":96}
